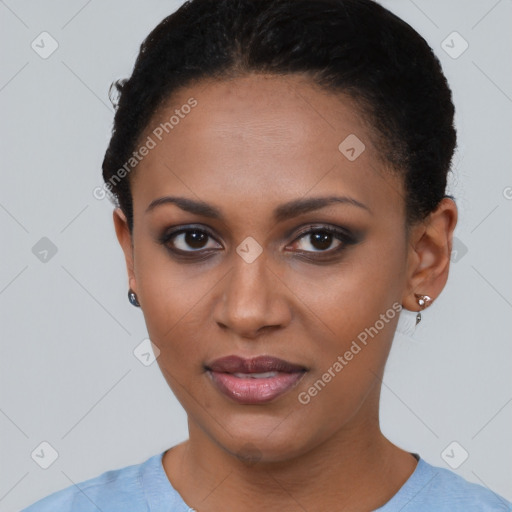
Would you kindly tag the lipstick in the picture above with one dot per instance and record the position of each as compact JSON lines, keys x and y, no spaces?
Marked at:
{"x":254,"y":381}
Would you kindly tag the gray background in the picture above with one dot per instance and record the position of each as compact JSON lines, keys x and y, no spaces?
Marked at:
{"x":68,"y":373}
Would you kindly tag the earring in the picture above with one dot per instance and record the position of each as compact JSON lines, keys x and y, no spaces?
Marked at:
{"x":132,"y":297}
{"x":424,"y":301}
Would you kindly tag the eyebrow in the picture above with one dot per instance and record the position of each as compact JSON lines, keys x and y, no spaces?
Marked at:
{"x":282,"y":212}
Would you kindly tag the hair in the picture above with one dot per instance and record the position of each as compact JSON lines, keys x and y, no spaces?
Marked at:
{"x":355,"y":47}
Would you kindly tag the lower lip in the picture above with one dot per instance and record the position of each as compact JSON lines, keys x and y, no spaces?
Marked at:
{"x":254,"y":391}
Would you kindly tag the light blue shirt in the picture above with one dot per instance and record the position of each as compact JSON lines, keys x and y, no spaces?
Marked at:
{"x":145,"y":487}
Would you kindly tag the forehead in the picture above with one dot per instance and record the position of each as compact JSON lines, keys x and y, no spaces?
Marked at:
{"x":262,"y":139}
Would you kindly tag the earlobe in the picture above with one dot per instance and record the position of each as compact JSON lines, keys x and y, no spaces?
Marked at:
{"x":124,"y":238}
{"x":429,"y":255}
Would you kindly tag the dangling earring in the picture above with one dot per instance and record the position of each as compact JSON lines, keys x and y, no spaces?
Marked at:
{"x":132,"y":297}
{"x":424,"y":301}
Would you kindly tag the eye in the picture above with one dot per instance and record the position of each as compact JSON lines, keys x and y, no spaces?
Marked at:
{"x":189,"y":240}
{"x":322,"y":239}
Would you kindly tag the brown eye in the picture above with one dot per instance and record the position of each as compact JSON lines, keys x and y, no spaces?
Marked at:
{"x":190,"y":240}
{"x":195,"y":239}
{"x":321,"y":239}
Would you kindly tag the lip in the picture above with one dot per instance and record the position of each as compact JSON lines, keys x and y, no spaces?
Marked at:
{"x":250,"y":390}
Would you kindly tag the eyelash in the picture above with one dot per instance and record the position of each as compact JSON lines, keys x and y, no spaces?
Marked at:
{"x":343,"y":235}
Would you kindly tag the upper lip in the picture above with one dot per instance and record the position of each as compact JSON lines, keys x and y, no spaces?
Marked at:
{"x":260,"y":364}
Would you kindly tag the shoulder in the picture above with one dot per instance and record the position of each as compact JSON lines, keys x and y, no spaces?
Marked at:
{"x":464,"y":495}
{"x":116,"y":491}
{"x":433,"y":488}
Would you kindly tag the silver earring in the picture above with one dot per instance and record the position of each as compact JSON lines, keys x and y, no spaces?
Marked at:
{"x":424,"y":301}
{"x":132,"y":297}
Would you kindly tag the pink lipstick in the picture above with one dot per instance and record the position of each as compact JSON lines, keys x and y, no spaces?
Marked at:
{"x":254,"y":381}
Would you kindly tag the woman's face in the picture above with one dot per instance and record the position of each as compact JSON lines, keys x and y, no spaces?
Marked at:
{"x":263,"y":277}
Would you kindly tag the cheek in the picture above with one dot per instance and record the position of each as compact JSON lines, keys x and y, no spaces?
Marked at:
{"x":344,"y":387}
{"x":349,"y":325}
{"x":169,"y":298}
{"x":347,"y":363}
{"x":338,"y":302}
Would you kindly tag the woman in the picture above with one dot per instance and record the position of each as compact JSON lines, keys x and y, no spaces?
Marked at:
{"x":279,"y":169}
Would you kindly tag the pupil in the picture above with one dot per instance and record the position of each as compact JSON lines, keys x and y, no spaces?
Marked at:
{"x":195,"y":239}
{"x":321,"y":240}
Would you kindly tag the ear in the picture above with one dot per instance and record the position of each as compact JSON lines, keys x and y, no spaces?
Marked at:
{"x":429,"y":252}
{"x":125,"y":240}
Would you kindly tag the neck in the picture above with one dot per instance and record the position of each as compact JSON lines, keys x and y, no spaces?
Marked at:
{"x":356,"y":469}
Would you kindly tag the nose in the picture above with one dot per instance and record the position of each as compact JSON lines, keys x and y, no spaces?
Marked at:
{"x":253,"y":299}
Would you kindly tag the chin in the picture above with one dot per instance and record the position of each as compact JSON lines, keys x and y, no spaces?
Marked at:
{"x":253,"y":441}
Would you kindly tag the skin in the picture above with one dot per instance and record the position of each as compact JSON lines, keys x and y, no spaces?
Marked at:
{"x":251,"y":144}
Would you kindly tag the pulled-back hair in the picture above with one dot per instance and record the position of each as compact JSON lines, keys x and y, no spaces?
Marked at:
{"x":356,"y":47}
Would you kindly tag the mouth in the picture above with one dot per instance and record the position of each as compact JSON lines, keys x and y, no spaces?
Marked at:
{"x":254,"y":381}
